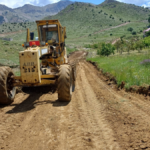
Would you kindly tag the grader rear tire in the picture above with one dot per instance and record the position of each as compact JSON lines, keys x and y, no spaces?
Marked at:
{"x":65,"y":83}
{"x":7,"y":92}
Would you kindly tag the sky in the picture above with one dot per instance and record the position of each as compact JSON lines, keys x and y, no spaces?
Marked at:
{"x":19,"y":3}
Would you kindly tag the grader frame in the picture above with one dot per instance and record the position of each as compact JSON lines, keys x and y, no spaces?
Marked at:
{"x":42,"y":62}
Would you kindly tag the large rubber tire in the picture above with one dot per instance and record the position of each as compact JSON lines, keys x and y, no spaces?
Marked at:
{"x":65,"y":83}
{"x":7,"y":92}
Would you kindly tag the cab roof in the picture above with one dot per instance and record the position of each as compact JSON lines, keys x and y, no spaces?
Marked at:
{"x":43,"y":22}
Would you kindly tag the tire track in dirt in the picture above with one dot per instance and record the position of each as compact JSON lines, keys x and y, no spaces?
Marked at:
{"x":8,"y":122}
{"x":98,"y":118}
{"x":10,"y":117}
{"x":130,"y":122}
{"x":96,"y":115}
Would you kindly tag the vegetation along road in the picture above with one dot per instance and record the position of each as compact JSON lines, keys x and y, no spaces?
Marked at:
{"x":99,"y":117}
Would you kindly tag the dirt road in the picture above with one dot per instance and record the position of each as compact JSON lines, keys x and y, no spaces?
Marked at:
{"x":99,"y":117}
{"x":11,"y":33}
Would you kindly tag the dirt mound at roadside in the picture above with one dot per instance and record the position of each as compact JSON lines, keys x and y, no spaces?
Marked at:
{"x":145,"y":90}
{"x":76,"y":56}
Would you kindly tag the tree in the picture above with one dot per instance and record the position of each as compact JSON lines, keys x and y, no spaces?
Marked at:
{"x":147,"y":41}
{"x":135,"y":45}
{"x":107,"y":49}
{"x":128,"y":46}
{"x":121,"y":48}
{"x":141,"y":44}
{"x":132,"y":44}
{"x":149,"y":19}
{"x":130,"y":29}
{"x":117,"y":45}
{"x":122,"y":45}
{"x":147,"y":33}
{"x":133,"y":33}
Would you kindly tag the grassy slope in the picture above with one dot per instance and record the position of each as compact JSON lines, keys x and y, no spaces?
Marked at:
{"x":125,"y":11}
{"x":13,"y":27}
{"x":126,"y":68}
{"x":84,"y":19}
{"x":9,"y":52}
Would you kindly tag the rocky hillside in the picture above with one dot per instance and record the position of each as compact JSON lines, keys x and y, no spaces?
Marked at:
{"x":30,"y":12}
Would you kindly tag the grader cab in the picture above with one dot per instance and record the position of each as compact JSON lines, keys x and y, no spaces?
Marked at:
{"x":42,"y":62}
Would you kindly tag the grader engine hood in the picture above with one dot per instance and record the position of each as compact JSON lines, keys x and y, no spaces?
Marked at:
{"x":30,"y":66}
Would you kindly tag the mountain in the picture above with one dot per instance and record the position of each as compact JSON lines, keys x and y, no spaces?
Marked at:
{"x":29,"y":12}
{"x":125,"y":11}
{"x":82,"y":19}
{"x":7,"y":13}
{"x":4,"y":8}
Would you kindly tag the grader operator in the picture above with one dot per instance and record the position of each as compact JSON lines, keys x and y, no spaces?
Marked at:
{"x":42,"y":62}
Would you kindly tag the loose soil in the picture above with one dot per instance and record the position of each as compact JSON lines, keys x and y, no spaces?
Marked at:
{"x":116,"y":40}
{"x":99,"y":117}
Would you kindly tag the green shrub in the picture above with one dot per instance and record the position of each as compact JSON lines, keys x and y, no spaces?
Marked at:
{"x":70,"y":50}
{"x":87,"y":46}
{"x":147,"y":41}
{"x":133,"y":33}
{"x":95,"y":46}
{"x":147,"y":33}
{"x":130,"y":29}
{"x":149,"y":19}
{"x":107,"y":49}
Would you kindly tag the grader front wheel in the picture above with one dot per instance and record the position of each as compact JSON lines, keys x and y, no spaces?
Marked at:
{"x":7,"y":92}
{"x":65,"y":81}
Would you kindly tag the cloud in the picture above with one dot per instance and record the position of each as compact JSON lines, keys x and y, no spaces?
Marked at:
{"x":144,"y":3}
{"x":148,"y":4}
{"x":19,"y":3}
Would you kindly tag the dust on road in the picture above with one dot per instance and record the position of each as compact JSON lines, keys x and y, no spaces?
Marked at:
{"x":99,"y":117}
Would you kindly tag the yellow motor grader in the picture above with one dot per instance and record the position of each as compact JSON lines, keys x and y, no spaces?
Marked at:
{"x":42,"y":62}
